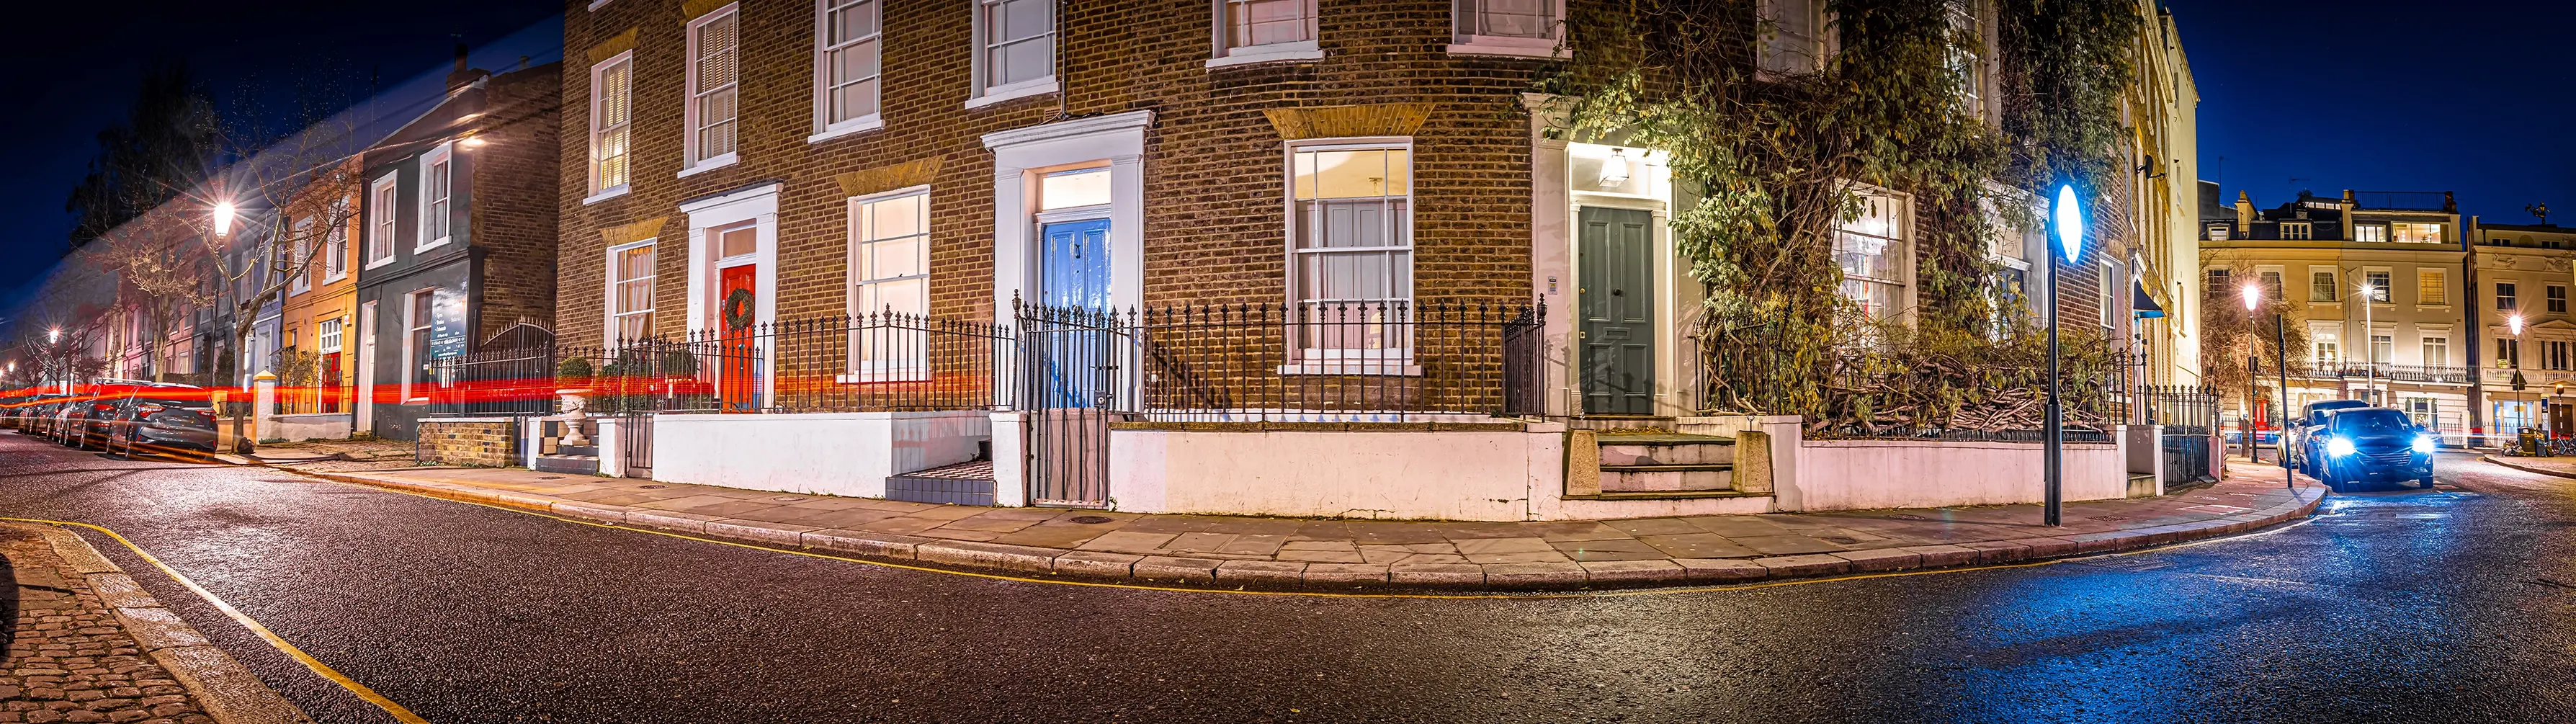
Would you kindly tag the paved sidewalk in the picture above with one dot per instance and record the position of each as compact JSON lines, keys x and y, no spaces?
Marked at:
{"x":89,"y":645}
{"x":2564,"y":467}
{"x":1276,"y":553}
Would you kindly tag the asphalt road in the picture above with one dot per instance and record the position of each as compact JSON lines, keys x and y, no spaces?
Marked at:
{"x":2450,"y":605}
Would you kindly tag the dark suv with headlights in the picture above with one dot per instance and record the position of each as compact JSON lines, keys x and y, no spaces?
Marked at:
{"x":2360,"y":446}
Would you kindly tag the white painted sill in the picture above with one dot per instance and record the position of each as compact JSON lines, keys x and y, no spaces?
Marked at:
{"x":334,"y":279}
{"x":1509,"y":46}
{"x":606,"y":194}
{"x":849,"y":128}
{"x":1004,"y":93}
{"x":379,"y":262}
{"x":1273,"y":53}
{"x":710,"y":165}
{"x":418,"y":250}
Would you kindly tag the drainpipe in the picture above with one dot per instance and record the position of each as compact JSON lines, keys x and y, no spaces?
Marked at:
{"x":2471,"y":301}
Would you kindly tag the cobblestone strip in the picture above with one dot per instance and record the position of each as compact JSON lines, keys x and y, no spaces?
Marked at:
{"x":1460,"y":575}
{"x":87,"y":644}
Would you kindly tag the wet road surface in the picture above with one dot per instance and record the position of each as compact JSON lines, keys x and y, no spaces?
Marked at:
{"x":2449,"y":605}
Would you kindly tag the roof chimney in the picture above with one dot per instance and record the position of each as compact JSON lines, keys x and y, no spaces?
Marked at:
{"x":463,"y":76}
{"x":2244,"y":211}
{"x":2348,"y":203}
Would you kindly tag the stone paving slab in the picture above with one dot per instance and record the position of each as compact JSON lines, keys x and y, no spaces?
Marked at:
{"x":1285,"y":553}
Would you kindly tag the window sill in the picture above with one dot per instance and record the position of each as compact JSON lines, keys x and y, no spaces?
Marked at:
{"x":1009,"y":92}
{"x":298,"y":292}
{"x":594,"y":4}
{"x":1371,"y":368}
{"x":335,"y":278}
{"x":604,"y":195}
{"x":377,"y":263}
{"x":1505,"y":45}
{"x":1272,"y":53}
{"x":848,"y":128}
{"x":710,"y":165}
{"x":418,"y":250}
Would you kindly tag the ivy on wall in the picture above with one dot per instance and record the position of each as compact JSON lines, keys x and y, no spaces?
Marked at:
{"x":1778,"y":163}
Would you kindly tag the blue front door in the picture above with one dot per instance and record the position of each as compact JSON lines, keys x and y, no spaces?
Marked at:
{"x":1073,"y":267}
{"x":1073,"y":280}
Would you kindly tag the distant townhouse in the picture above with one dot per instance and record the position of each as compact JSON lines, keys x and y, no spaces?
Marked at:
{"x":2384,"y":281}
{"x":2518,"y":306}
{"x":321,"y":299}
{"x":458,"y":228}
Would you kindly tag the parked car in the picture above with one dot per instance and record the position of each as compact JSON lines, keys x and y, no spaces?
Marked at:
{"x":2311,"y":417}
{"x":2265,"y":436}
{"x":162,"y":418}
{"x":2364,"y":445}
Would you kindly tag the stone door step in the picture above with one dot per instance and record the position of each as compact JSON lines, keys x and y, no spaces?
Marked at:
{"x":576,"y":464}
{"x":966,"y":483}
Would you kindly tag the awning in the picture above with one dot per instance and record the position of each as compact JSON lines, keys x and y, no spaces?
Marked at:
{"x":2144,"y":303}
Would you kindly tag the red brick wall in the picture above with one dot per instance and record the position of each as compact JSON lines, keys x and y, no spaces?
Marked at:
{"x":514,"y":213}
{"x":1214,"y":168}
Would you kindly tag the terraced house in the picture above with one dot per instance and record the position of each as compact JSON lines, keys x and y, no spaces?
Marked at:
{"x":1300,"y":257}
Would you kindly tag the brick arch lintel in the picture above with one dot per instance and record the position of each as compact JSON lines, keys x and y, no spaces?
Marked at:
{"x":638,"y":231}
{"x":916,"y":172}
{"x":1358,"y":121}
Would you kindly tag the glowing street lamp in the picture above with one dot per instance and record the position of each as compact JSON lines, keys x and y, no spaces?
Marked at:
{"x":223,"y":218}
{"x":53,"y":334}
{"x":2069,"y":229}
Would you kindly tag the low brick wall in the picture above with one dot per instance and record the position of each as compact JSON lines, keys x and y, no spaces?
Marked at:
{"x":486,"y":441}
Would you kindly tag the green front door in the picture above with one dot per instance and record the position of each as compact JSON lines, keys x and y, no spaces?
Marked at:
{"x":1617,"y":302}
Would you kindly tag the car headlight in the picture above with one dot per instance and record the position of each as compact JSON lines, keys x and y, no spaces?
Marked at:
{"x":2338,"y":447}
{"x":2424,"y":444}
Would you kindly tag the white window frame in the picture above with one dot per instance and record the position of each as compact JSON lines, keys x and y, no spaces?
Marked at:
{"x":2370,"y":233}
{"x":2334,"y":283}
{"x":384,"y":219}
{"x":824,"y":127}
{"x":2383,"y":291}
{"x":1392,"y":358}
{"x":2322,"y":337}
{"x":2441,"y":288}
{"x":2220,"y":232}
{"x":1820,"y":45}
{"x":979,"y":94}
{"x":327,"y":337}
{"x":2298,"y":231}
{"x":299,"y":260}
{"x":1901,"y":309}
{"x":2109,"y":289}
{"x":652,"y":301}
{"x":599,"y":99}
{"x":912,"y":367}
{"x":1223,"y":53}
{"x":1464,"y":41}
{"x":2508,"y":291}
{"x":335,"y":244}
{"x":412,"y":325}
{"x":429,"y":163}
{"x":2433,"y":341}
{"x":692,"y":102}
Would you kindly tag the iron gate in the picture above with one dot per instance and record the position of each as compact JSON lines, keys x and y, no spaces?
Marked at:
{"x":1072,"y":372}
{"x":635,"y":444}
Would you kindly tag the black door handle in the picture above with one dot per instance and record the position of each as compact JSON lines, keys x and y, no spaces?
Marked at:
{"x":1618,"y":292}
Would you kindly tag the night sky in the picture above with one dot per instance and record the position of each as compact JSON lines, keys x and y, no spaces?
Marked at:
{"x":2376,"y":95}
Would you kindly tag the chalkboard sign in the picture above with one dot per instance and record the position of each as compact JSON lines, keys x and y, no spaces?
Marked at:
{"x":446,"y":323}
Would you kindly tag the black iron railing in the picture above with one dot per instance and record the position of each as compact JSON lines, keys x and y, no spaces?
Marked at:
{"x":1335,"y":362}
{"x":2403,"y":200}
{"x":879,"y":362}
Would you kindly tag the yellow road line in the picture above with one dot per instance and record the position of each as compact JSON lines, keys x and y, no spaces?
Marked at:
{"x":1319,"y":594}
{"x":321,"y":669}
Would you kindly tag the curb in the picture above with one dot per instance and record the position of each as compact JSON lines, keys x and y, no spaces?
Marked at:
{"x":1141,"y":569}
{"x":230,"y":693}
{"x":2527,"y":468}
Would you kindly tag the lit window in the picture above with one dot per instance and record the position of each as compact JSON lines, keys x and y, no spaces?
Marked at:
{"x":1069,"y":189}
{"x":889,"y":274}
{"x":1352,"y":255}
{"x":612,"y":110}
{"x":1793,"y":35}
{"x":630,"y":291}
{"x":2219,"y":232}
{"x":2436,"y":351}
{"x":1015,"y":47}
{"x":2321,"y":287}
{"x":1872,"y":250}
{"x":2383,"y":347}
{"x":848,"y":60}
{"x":1511,"y":27}
{"x":739,"y":241}
{"x":437,"y":168}
{"x":327,"y":335}
{"x":2327,"y":348}
{"x":2432,"y":286}
{"x":2414,"y":233}
{"x":714,"y":49}
{"x":2370,"y":233}
{"x":381,"y":229}
{"x":1265,"y":29}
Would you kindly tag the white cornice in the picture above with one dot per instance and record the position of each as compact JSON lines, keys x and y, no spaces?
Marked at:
{"x":1130,"y":121}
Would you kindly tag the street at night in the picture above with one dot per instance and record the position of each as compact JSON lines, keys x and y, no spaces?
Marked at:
{"x":2395,"y":606}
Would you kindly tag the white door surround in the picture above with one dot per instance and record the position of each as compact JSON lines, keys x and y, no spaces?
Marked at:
{"x":1021,"y":154}
{"x":758,"y":204}
{"x":366,"y":420}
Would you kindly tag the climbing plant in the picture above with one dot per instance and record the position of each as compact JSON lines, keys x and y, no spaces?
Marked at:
{"x":1777,"y":163}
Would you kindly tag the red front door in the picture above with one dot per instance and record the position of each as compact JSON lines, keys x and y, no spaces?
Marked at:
{"x":737,"y":312}
{"x":331,"y":382}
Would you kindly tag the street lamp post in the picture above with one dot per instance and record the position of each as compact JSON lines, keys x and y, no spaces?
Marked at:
{"x":2281,"y":356}
{"x":2514,"y":324}
{"x":2070,"y":241}
{"x":2369,"y":346}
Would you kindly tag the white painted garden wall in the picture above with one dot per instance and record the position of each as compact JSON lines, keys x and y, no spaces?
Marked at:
{"x":847,"y":453}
